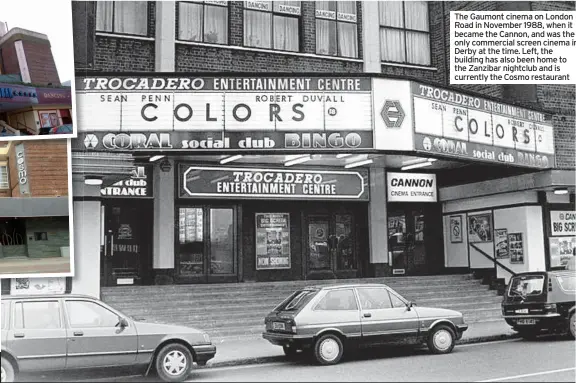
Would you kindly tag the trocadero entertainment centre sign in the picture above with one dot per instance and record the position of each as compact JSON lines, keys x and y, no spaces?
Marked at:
{"x":453,"y":124}
{"x":270,"y":183}
{"x":202,"y":114}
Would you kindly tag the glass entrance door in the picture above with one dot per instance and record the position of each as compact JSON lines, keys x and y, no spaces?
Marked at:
{"x":205,"y":245}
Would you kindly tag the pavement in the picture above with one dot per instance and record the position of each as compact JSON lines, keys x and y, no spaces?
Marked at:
{"x":259,"y":350}
{"x":30,"y":266}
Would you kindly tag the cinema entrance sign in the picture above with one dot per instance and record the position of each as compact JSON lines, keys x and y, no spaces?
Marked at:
{"x":126,"y":113}
{"x":452,"y":124}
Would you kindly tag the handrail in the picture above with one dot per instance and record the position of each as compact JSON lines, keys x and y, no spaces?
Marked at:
{"x":9,"y":128}
{"x":29,"y":130}
{"x":492,"y":259}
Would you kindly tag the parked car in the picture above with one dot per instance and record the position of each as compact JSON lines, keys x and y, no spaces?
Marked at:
{"x":541,"y":302}
{"x":61,"y":129}
{"x":70,"y":332}
{"x":326,"y":320}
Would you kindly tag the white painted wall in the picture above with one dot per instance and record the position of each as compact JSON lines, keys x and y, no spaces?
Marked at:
{"x":86,"y":248}
{"x":22,"y":62}
{"x":163,"y":256}
{"x":455,"y":254}
{"x":378,"y":217}
{"x":489,"y":201}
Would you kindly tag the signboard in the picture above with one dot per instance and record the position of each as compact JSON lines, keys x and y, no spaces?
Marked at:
{"x":139,"y":185}
{"x":54,"y":96}
{"x":501,"y":243}
{"x":195,"y":114}
{"x":272,"y":241}
{"x":563,"y":222}
{"x":31,"y":286}
{"x":411,"y":187}
{"x":22,"y":174}
{"x":453,"y":124}
{"x":18,"y":94}
{"x":562,"y":250}
{"x":222,"y":182}
{"x":516,"y":247}
{"x":456,"y":229}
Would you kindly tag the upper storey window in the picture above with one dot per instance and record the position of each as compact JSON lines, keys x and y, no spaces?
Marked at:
{"x":203,"y":21}
{"x":122,"y":17}
{"x":337,"y":28}
{"x":272,"y":25}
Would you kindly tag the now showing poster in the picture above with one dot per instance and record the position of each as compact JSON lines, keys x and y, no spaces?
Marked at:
{"x":501,"y":243}
{"x":272,"y":241}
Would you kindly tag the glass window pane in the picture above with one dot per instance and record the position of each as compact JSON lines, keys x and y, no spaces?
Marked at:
{"x":84,"y":314}
{"x":396,"y":301}
{"x":347,"y":40}
{"x":392,"y":45}
{"x":288,"y":7}
{"x":104,"y":17}
{"x":190,"y":22}
{"x":338,"y":300}
{"x":216,"y":25}
{"x":416,"y":15}
{"x":286,"y":33}
{"x":326,"y":5}
{"x":418,"y":48}
{"x":346,"y":255}
{"x":348,"y":7}
{"x":319,"y":249}
{"x":326,"y":37}
{"x":190,"y":241}
{"x":131,"y":17}
{"x":257,"y":29}
{"x":221,"y":241}
{"x":374,"y":298}
{"x":4,"y":177}
{"x":391,"y":14}
{"x":40,"y":315}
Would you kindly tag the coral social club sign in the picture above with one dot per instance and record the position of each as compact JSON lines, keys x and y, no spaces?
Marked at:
{"x":412,"y":187}
{"x":195,"y":114}
{"x":457,"y":125}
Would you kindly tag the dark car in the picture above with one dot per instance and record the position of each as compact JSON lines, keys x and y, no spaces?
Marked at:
{"x":327,"y":319}
{"x":61,"y":129}
{"x":71,"y":332}
{"x":541,"y":302}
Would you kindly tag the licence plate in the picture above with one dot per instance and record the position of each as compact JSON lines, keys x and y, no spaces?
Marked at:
{"x":522,"y":311}
{"x":526,"y":321}
{"x":278,"y":326}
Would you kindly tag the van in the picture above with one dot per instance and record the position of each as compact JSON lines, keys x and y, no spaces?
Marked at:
{"x":541,"y":302}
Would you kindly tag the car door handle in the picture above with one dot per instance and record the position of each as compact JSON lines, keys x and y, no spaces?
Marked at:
{"x":367,"y":315}
{"x":78,"y":333}
{"x":18,"y":335}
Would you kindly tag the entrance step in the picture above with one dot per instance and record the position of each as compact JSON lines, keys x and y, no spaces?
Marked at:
{"x":237,"y":309}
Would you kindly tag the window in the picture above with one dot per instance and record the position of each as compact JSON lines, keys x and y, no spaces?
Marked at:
{"x":89,"y":314}
{"x":4,"y":184}
{"x":336,"y":28}
{"x":296,"y":301}
{"x":338,"y":300}
{"x":273,"y":25}
{"x":396,"y":301}
{"x":203,"y":21}
{"x":125,"y":17}
{"x":567,"y":282}
{"x":527,"y":285}
{"x":37,"y":315}
{"x":404,"y":32}
{"x":374,"y":298}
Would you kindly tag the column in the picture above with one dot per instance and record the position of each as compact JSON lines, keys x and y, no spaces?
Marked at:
{"x":164,"y":221}
{"x":371,"y":37}
{"x":165,"y":39}
{"x":87,"y":237}
{"x":378,"y":221}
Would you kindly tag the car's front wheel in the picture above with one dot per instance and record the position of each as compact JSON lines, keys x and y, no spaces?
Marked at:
{"x":8,"y":373}
{"x":328,"y":349}
{"x":441,"y":340}
{"x":174,"y":363}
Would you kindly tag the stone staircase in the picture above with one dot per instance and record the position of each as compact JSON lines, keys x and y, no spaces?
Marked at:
{"x":237,"y":310}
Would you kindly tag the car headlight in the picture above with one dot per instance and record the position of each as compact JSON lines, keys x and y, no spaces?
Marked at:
{"x":206,"y":338}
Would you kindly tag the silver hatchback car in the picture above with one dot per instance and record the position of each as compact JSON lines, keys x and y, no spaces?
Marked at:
{"x":70,"y":332}
{"x":327,"y":319}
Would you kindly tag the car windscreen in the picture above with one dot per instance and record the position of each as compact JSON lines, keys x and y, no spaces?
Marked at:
{"x":297,"y":300}
{"x":526,"y":285}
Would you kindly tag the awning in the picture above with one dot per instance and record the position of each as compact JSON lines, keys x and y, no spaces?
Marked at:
{"x":34,"y":207}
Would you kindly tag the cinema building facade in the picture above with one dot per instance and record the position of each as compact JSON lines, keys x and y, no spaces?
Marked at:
{"x":379,"y":168}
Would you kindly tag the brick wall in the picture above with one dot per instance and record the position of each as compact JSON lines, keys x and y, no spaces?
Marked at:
{"x":57,"y":234}
{"x":41,"y":65}
{"x":9,"y":59}
{"x":47,"y":168}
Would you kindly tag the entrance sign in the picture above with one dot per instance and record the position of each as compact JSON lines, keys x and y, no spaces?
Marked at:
{"x":219,"y":113}
{"x":412,"y":187}
{"x":139,"y":185}
{"x":221,"y":182}
{"x":272,"y":241}
{"x":453,"y":124}
{"x":22,"y":174}
{"x":563,"y":222}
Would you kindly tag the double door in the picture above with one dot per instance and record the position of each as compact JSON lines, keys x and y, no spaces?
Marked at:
{"x":206,"y":244}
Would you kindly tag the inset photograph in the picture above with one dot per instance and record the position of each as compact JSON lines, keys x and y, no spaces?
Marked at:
{"x":36,"y":69}
{"x":35,"y":225}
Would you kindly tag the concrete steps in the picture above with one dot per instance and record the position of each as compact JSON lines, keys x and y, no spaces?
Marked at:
{"x":237,"y":310}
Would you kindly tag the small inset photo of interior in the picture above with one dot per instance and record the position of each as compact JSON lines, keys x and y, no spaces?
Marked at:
{"x":35,"y":225}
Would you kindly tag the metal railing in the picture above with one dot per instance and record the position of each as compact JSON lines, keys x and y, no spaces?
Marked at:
{"x":496,"y":263}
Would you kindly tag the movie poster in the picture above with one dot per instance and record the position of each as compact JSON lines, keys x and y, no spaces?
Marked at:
{"x":501,"y":243}
{"x":562,"y":249}
{"x":516,"y":247}
{"x":480,"y":227}
{"x":272,"y":241}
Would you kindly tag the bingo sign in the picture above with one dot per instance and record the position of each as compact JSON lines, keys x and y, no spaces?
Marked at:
{"x":216,"y":114}
{"x":563,"y":222}
{"x":452,"y":124}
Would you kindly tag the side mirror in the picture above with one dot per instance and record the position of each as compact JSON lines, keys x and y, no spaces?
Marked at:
{"x":409,"y":305}
{"x":122,"y":322}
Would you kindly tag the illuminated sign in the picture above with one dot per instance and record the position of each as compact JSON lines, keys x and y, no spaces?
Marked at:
{"x":412,"y":187}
